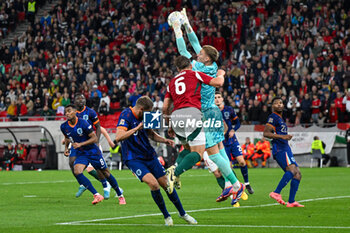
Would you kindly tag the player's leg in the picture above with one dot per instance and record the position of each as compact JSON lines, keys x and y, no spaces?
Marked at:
{"x":284,"y":162}
{"x":237,"y":153}
{"x":141,"y":171}
{"x":213,"y":168}
{"x":294,"y":184}
{"x":99,"y":163}
{"x":180,"y":157}
{"x":106,"y":186}
{"x":191,"y":134}
{"x":157,"y":196}
{"x":79,"y":167}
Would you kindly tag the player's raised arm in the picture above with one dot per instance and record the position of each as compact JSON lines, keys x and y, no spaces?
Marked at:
{"x":192,"y":37}
{"x":174,"y":22}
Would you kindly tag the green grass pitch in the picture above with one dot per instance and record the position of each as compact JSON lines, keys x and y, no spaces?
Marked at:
{"x":33,"y":201}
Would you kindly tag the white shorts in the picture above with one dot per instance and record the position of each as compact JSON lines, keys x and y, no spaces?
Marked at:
{"x":188,"y":132}
{"x":212,"y":167}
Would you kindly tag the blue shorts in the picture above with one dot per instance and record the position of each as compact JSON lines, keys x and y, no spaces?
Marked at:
{"x":94,"y":157}
{"x":213,"y":135}
{"x":285,"y":158}
{"x":233,"y":151}
{"x":141,"y":167}
{"x":72,"y":152}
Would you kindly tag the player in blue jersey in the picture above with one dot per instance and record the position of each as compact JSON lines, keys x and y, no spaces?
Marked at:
{"x":232,"y":146}
{"x":141,"y":158}
{"x":206,"y":63}
{"x":91,"y":117}
{"x":81,"y":135}
{"x":277,"y":130}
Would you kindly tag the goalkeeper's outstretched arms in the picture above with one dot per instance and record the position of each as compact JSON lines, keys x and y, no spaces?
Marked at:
{"x":192,"y":37}
{"x":180,"y":42}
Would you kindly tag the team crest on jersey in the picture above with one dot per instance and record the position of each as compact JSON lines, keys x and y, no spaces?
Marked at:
{"x":270,"y":120}
{"x":80,"y":131}
{"x":86,"y":117}
{"x":227,"y":115}
{"x":122,"y":122}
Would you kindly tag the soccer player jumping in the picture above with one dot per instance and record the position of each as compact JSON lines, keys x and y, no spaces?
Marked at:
{"x":206,"y":63}
{"x":277,"y":130}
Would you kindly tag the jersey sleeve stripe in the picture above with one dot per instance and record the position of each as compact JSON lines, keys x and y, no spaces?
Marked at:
{"x":96,"y":121}
{"x":122,"y":127}
{"x":274,"y":128}
{"x":199,"y":77}
{"x":235,"y":118}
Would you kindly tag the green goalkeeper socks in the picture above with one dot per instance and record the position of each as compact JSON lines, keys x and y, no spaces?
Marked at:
{"x":182,"y":155}
{"x":187,"y":163}
{"x":221,"y":182}
{"x":224,"y":167}
{"x":94,"y":174}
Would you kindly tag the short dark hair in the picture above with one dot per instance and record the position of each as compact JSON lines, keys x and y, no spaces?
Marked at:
{"x":71,"y":106}
{"x":182,"y":62}
{"x":218,"y":93}
{"x":79,"y":94}
{"x":145,"y":102}
{"x":276,"y":98}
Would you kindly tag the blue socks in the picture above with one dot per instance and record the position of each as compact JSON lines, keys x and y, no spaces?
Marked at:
{"x":174,"y":198}
{"x":284,"y":181}
{"x":158,"y":199}
{"x":82,"y":180}
{"x":113,"y":182}
{"x":294,"y":185}
{"x":104,"y":183}
{"x":244,"y":171}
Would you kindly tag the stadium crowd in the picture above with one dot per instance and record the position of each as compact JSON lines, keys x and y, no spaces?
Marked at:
{"x":115,"y":51}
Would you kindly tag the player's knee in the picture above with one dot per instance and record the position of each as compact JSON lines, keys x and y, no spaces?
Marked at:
{"x":297,"y":175}
{"x":153,"y":185}
{"x":77,"y":172}
{"x":242,"y":163}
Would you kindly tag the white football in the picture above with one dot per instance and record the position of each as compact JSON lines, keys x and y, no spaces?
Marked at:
{"x":175,"y":15}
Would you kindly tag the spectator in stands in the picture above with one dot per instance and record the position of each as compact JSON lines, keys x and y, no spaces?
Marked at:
{"x":21,"y":108}
{"x":65,"y":99}
{"x":29,"y":105}
{"x":95,"y":92}
{"x":316,"y":104}
{"x":134,"y":97}
{"x":254,"y":112}
{"x":47,"y":112}
{"x":107,"y":101}
{"x":103,"y":109}
{"x":158,"y":104}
